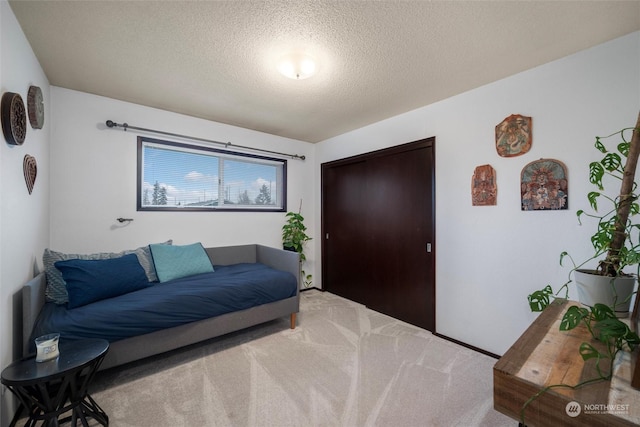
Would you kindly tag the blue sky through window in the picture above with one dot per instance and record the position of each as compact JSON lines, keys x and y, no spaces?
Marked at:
{"x":192,"y":177}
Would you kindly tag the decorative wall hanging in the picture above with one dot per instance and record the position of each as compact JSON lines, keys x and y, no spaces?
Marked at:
{"x":14,"y":118}
{"x":30,"y":169}
{"x":544,"y":186}
{"x":513,"y":136}
{"x":35,"y":106}
{"x":484,"y":191}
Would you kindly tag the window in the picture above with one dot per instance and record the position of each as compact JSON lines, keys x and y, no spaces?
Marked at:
{"x":174,"y":176}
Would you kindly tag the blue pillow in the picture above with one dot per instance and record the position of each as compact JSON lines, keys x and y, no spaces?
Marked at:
{"x":174,"y":262}
{"x":56,"y":289}
{"x":88,"y":281}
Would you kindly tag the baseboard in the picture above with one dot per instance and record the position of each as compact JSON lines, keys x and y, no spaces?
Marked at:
{"x":469,"y":346}
{"x":313,"y":287}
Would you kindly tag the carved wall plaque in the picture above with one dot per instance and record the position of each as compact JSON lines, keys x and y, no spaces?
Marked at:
{"x":544,"y":186}
{"x":484,"y":190}
{"x":513,"y":136}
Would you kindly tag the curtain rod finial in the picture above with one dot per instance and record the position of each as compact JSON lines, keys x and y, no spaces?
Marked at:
{"x":110,"y":123}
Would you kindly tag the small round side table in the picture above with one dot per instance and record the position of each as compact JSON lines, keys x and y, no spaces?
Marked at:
{"x":46,"y":390}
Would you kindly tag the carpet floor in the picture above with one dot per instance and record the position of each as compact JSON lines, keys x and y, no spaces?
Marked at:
{"x":343,"y":365}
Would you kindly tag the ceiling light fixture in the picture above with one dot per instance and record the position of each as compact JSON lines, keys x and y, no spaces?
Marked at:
{"x":297,"y":66}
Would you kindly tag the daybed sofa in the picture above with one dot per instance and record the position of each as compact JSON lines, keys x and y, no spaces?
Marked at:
{"x":137,"y":347}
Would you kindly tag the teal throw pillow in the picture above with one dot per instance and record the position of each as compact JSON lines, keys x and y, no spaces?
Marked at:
{"x":174,"y":262}
{"x":89,"y":281}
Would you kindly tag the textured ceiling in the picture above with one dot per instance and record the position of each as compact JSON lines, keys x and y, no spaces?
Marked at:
{"x":377,"y":59}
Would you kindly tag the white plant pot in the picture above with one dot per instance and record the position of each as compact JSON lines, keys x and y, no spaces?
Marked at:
{"x":593,"y":288}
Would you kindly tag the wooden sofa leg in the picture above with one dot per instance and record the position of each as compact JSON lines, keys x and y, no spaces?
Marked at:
{"x":293,"y":320}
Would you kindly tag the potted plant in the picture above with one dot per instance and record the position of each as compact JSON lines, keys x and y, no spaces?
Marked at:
{"x":616,"y":236}
{"x":616,"y":243}
{"x":294,"y":237}
{"x":617,"y":233}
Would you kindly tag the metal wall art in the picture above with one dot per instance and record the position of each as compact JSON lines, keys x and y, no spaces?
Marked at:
{"x":484,"y":190}
{"x":513,"y":136}
{"x":544,"y":186}
{"x":30,"y":169}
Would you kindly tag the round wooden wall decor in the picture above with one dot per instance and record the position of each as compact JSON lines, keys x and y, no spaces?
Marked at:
{"x":14,"y":118}
{"x":35,"y":105}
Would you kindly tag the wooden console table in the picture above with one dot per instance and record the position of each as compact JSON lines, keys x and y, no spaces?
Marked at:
{"x":544,"y":355}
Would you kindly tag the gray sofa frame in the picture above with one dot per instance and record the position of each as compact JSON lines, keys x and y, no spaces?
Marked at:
{"x":139,"y":347}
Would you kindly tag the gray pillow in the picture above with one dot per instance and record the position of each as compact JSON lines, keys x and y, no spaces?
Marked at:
{"x":56,"y":290}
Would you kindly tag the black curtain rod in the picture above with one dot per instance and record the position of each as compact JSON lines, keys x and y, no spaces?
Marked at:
{"x":125,"y":126}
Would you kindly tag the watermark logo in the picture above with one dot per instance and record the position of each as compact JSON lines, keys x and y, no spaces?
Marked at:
{"x":600,"y":409}
{"x":573,"y":409}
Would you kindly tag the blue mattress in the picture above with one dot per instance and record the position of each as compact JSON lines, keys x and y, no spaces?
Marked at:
{"x":165,"y":305}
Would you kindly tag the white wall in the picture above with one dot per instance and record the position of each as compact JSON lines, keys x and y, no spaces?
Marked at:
{"x":490,"y":258}
{"x":93,"y":180}
{"x":24,"y":218}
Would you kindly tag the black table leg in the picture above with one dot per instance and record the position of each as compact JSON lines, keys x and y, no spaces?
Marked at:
{"x":49,"y":390}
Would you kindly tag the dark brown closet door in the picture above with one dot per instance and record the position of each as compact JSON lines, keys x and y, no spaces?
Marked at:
{"x":343,"y":192}
{"x":377,"y":222}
